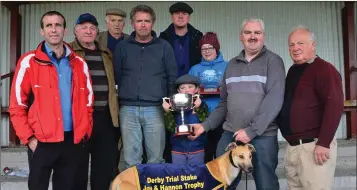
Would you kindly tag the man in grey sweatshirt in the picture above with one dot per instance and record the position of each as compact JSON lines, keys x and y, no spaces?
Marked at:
{"x":252,"y":93}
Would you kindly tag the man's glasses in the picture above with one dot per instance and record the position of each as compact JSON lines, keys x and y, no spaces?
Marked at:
{"x":210,"y":49}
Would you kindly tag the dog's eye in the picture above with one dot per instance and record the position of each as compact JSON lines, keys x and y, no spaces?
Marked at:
{"x":241,"y":156}
{"x":250,"y":156}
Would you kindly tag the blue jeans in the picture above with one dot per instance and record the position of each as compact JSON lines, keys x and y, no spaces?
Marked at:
{"x":265,"y":160}
{"x":140,"y":124}
{"x":191,"y":159}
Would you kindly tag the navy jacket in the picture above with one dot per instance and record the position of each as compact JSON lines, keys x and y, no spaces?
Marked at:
{"x":144,"y":72}
{"x":181,"y":144}
{"x":195,"y":36}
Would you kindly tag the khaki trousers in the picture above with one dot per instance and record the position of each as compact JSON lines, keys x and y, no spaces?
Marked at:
{"x":303,"y":173}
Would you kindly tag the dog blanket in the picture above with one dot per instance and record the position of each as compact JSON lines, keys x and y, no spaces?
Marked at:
{"x":174,"y":177}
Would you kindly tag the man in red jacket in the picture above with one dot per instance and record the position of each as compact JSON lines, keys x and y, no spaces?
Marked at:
{"x":309,"y":118}
{"x":51,"y":106}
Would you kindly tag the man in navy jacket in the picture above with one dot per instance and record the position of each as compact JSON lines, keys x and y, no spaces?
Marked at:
{"x":145,"y":72}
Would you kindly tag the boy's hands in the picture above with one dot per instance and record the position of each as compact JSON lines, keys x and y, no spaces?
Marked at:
{"x":166,"y":106}
{"x":198,"y":102}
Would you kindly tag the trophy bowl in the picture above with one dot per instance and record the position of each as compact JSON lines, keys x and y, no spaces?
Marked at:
{"x":182,"y":102}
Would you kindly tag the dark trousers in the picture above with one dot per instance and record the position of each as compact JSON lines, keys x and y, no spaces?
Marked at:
{"x":213,"y":137}
{"x":103,"y":148}
{"x":61,"y":158}
{"x":167,"y":151}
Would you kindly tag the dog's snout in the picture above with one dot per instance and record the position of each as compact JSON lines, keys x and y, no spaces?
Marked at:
{"x":250,"y":169}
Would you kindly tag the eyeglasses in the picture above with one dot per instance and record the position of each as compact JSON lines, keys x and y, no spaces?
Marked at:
{"x":210,"y":49}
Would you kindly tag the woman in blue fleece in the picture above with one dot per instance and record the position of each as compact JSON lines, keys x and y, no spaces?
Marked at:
{"x":210,"y":71}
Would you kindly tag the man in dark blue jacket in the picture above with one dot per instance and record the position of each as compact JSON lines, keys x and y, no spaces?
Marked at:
{"x":183,"y":37}
{"x":145,"y":71}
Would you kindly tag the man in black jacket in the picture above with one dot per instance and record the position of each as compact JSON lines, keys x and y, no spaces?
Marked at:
{"x":145,"y":72}
{"x":183,"y":37}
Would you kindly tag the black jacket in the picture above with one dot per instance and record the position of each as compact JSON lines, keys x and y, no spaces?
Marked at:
{"x":144,"y":72}
{"x":195,"y":36}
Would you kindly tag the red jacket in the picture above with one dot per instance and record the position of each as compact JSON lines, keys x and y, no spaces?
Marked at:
{"x":36,"y":75}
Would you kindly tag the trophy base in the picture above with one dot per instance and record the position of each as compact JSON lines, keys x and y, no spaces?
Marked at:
{"x":182,"y":130}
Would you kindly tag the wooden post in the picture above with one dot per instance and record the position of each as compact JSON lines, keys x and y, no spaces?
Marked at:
{"x":15,"y":49}
{"x":349,"y":52}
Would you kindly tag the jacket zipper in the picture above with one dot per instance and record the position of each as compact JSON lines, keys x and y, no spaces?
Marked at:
{"x":141,"y":70}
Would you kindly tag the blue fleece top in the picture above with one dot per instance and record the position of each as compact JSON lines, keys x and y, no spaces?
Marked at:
{"x":64,"y":72}
{"x":210,"y":74}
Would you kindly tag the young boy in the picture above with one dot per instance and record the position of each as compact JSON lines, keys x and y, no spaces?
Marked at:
{"x":184,"y":150}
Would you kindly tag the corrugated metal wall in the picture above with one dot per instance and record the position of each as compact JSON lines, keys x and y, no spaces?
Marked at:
{"x":225,"y":18}
{"x":4,"y":68}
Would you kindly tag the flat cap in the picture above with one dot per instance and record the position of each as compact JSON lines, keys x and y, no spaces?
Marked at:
{"x":115,"y":11}
{"x":181,"y":6}
{"x":187,"y":79}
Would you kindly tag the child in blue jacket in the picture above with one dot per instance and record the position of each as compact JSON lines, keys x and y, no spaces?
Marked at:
{"x":184,"y":150}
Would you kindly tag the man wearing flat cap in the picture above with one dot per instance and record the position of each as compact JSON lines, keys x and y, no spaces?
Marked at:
{"x":115,"y":22}
{"x":184,"y":39}
{"x":104,"y":167}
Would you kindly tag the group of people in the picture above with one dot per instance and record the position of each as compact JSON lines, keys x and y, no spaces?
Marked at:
{"x":73,"y":101}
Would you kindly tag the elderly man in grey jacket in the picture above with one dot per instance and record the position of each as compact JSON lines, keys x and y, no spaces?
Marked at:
{"x":252,"y":94}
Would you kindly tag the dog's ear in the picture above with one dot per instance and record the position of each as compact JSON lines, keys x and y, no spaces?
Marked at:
{"x":231,"y":146}
{"x":251,"y":147}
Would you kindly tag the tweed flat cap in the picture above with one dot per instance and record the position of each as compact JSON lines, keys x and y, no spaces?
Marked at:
{"x":187,"y":79}
{"x":115,"y":11}
{"x":181,"y":6}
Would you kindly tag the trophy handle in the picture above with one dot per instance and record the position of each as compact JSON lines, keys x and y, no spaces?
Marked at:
{"x":194,"y":98}
{"x":166,"y":99}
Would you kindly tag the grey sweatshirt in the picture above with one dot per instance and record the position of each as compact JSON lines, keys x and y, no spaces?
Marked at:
{"x":251,"y":95}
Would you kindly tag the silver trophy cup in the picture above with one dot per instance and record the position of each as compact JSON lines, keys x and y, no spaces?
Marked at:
{"x":182,"y":102}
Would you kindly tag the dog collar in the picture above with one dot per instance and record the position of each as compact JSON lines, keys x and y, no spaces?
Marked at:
{"x":231,"y":160}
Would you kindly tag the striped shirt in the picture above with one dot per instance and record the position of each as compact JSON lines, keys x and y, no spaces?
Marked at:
{"x":99,"y":78}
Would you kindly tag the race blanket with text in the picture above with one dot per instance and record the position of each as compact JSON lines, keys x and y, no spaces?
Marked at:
{"x":175,"y":176}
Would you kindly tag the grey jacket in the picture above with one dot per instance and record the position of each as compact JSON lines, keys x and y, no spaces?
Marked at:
{"x":251,"y":95}
{"x":102,"y":38}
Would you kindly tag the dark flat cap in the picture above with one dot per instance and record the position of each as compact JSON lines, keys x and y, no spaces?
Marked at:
{"x":181,"y":6}
{"x":115,"y":11}
{"x":187,"y":79}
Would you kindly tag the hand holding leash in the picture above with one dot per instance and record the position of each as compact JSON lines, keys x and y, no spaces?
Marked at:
{"x":241,"y":136}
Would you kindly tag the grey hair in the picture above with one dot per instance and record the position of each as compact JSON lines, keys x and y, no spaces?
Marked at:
{"x":302,"y":27}
{"x":252,"y":19}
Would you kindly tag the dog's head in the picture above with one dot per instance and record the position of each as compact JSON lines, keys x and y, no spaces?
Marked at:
{"x":241,"y":155}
